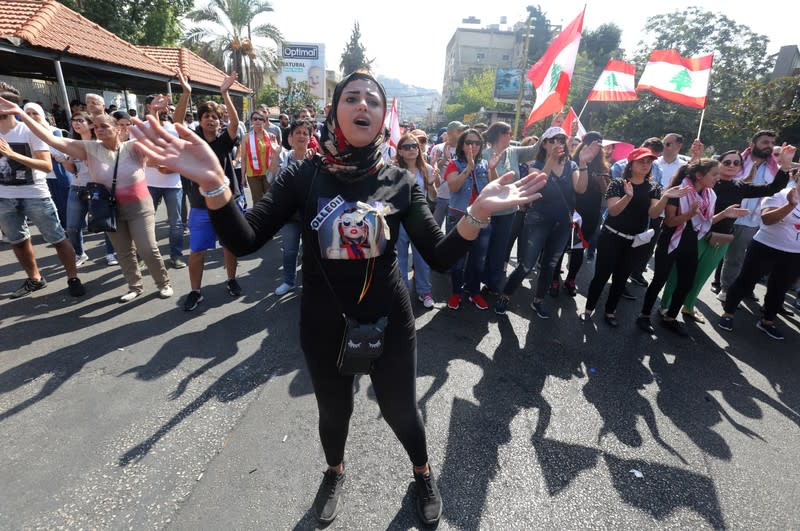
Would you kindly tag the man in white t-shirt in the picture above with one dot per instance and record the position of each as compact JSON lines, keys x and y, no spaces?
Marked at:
{"x":167,"y":186}
{"x":670,"y":160}
{"x":24,"y":195}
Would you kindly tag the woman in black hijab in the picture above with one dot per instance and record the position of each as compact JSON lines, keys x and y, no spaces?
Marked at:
{"x":351,"y":206}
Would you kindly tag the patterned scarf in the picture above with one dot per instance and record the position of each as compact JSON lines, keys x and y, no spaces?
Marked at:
{"x":701,"y":221}
{"x":346,"y":162}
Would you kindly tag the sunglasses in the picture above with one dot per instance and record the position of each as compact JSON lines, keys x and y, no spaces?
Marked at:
{"x":669,"y":144}
{"x":734,"y":162}
{"x":409,"y":147}
{"x":559,"y":139}
{"x":472,"y":142}
{"x":256,"y":119}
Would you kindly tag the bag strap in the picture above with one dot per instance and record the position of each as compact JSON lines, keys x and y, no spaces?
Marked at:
{"x":114,"y":179}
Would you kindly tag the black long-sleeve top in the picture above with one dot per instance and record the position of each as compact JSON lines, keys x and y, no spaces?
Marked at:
{"x":732,"y":192}
{"x":309,"y":188}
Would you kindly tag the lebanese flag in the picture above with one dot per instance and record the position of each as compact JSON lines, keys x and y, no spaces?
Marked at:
{"x":683,"y":80}
{"x":392,"y":123}
{"x":552,"y":74}
{"x":615,"y":83}
{"x":567,"y":125}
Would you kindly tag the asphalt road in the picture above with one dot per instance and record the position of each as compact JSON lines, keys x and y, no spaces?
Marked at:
{"x":143,"y":416}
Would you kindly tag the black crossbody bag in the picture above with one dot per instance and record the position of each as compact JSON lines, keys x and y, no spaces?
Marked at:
{"x":103,"y":204}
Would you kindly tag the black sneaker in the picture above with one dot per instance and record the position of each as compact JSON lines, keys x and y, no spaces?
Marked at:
{"x":192,"y":300}
{"x":28,"y":287}
{"x":429,"y":501}
{"x":644,"y":324}
{"x":638,"y":279}
{"x":715,"y":287}
{"x":234,"y":289}
{"x":75,"y":287}
{"x":770,"y":329}
{"x":328,"y":501}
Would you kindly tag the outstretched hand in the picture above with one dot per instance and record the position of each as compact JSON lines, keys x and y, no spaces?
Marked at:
{"x":184,"y":81}
{"x":188,"y":155}
{"x":676,"y":191}
{"x":7,"y":107}
{"x":228,"y":82}
{"x":786,"y":156}
{"x":502,"y":193}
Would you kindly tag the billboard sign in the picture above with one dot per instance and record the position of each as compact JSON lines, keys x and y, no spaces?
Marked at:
{"x":507,"y":83}
{"x":304,"y":61}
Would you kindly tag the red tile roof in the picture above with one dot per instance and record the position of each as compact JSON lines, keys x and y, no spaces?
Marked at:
{"x":50,"y":25}
{"x":198,"y":69}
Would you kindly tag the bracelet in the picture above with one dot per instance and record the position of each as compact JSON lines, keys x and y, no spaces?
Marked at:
{"x":219,"y":190}
{"x":472,"y":220}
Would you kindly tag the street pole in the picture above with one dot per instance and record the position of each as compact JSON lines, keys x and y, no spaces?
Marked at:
{"x":524,"y":63}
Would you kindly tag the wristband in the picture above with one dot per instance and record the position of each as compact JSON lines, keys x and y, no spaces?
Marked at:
{"x":219,"y":190}
{"x":475,"y":222}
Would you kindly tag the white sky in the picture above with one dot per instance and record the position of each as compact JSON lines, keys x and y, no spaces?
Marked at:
{"x":408,"y":38}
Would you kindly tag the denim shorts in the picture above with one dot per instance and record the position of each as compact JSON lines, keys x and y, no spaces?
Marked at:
{"x":41,"y":211}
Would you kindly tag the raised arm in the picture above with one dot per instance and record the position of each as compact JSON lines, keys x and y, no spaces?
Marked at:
{"x":233,"y":116}
{"x":183,"y":101}
{"x":73,"y":148}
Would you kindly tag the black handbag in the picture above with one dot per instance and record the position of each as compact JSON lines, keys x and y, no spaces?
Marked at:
{"x":103,"y":204}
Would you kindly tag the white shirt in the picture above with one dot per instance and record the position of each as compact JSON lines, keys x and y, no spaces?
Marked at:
{"x":22,"y":141}
{"x":155,"y":178}
{"x":669,"y":169}
{"x":437,"y":153}
{"x":785,"y":234}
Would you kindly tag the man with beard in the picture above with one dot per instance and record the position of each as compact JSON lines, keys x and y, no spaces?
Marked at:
{"x":759,"y":167}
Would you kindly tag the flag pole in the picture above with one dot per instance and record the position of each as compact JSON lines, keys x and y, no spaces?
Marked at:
{"x":585,"y":103}
{"x":702,"y":116}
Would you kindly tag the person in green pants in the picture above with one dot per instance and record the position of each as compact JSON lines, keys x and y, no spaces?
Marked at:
{"x":711,"y":252}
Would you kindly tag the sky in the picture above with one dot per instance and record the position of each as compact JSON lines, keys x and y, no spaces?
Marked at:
{"x":408,"y":38}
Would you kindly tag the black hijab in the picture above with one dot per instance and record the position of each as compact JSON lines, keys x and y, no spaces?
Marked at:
{"x":347,"y":162}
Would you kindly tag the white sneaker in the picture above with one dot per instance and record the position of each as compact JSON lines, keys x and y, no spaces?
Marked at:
{"x":111,"y":259}
{"x":721,"y":296}
{"x":426,"y":300}
{"x":128,"y":297}
{"x":283,"y":289}
{"x":165,"y":292}
{"x":80,"y":260}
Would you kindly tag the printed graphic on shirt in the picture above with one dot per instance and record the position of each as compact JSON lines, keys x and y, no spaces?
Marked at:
{"x":13,"y":173}
{"x":350,"y":231}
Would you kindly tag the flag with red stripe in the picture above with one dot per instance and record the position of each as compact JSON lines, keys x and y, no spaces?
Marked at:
{"x":616,"y":83}
{"x":683,"y":80}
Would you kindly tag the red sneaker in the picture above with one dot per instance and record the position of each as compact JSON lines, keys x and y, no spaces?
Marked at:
{"x":479,"y":302}
{"x":454,"y":302}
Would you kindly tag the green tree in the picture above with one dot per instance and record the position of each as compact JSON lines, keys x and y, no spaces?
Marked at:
{"x":355,"y":54}
{"x":297,"y":95}
{"x":227,"y":28}
{"x":475,"y":92}
{"x":765,"y":104}
{"x":151,"y":22}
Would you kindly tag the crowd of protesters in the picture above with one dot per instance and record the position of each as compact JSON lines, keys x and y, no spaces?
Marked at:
{"x":734,"y":215}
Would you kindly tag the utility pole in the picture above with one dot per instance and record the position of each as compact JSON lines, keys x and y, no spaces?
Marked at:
{"x":523,"y":67}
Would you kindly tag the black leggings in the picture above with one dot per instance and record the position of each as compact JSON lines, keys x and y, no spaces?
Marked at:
{"x":393,"y":379}
{"x":684,"y":258}
{"x":783,"y":268}
{"x":615,"y":259}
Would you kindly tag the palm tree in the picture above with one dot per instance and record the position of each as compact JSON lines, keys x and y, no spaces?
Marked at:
{"x":224,"y":29}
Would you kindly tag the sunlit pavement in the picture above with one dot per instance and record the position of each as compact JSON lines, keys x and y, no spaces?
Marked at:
{"x":144,"y":416}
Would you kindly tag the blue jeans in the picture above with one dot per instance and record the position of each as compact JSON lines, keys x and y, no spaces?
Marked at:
{"x":422,"y":271}
{"x":290,"y":237}
{"x":172,"y":198}
{"x":467,"y":272}
{"x":440,"y":211}
{"x":41,"y":211}
{"x":77,"y":209}
{"x":59,"y":191}
{"x":495,"y":274}
{"x":544,"y":236}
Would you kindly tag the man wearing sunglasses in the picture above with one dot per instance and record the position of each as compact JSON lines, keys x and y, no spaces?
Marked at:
{"x":670,"y":160}
{"x":759,"y":166}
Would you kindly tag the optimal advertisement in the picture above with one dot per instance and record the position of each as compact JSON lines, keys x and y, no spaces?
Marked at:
{"x":304,"y":61}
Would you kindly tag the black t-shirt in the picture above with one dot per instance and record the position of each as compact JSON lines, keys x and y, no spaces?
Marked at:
{"x":589,"y":203}
{"x":222,"y":146}
{"x":344,"y":224}
{"x":634,"y":217}
{"x":733,"y":192}
{"x":558,"y":195}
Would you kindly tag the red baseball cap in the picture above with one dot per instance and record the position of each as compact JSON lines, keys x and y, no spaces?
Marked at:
{"x":641,"y":153}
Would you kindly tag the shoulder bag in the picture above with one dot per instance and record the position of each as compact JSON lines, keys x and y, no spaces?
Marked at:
{"x":103,"y":204}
